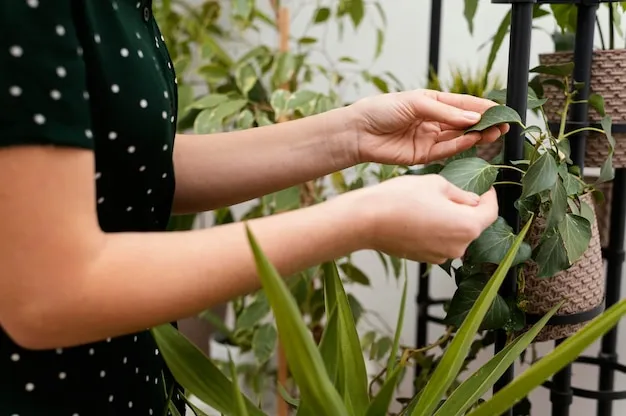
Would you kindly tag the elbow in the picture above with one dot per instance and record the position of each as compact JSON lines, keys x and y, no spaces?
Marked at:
{"x":28,"y":335}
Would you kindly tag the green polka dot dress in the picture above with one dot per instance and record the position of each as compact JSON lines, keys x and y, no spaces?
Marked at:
{"x":91,"y":74}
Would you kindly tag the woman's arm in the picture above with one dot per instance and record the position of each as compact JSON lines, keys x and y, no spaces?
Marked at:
{"x":223,"y":169}
{"x":64,"y":282}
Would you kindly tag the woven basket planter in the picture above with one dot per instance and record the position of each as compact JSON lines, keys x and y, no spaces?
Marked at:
{"x":582,"y":285}
{"x":608,"y":78}
{"x":603,"y":210}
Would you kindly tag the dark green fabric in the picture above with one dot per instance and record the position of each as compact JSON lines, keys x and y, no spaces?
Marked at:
{"x":96,"y":75}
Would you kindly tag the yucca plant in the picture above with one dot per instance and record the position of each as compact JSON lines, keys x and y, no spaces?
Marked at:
{"x":331,"y":376}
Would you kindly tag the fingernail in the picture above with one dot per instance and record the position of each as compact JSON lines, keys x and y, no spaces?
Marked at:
{"x":471,"y":116}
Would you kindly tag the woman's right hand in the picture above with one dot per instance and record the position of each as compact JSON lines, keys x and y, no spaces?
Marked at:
{"x":423,"y":218}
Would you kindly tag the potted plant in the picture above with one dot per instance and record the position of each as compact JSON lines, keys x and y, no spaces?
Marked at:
{"x":331,"y":377}
{"x":561,"y":256}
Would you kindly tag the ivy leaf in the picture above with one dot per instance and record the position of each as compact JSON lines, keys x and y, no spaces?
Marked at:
{"x":532,"y":102}
{"x":494,"y":242}
{"x":551,"y":256}
{"x":540,"y":176}
{"x":264,"y":343}
{"x":464,"y":298}
{"x":555,"y":83}
{"x":587,"y":212}
{"x":471,"y":152}
{"x":558,"y":208}
{"x":596,"y":101}
{"x":494,"y":116}
{"x":560,"y":70}
{"x":355,"y":274}
{"x":606,"y":171}
{"x":471,"y":174}
{"x":576,"y":234}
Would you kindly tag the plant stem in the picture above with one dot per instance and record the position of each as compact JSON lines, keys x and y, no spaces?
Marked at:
{"x":507,"y":183}
{"x":582,"y":129}
{"x":568,"y":100}
{"x":510,"y":167}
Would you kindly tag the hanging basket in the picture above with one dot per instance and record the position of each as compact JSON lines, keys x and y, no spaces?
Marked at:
{"x":582,"y":285}
{"x":608,"y":78}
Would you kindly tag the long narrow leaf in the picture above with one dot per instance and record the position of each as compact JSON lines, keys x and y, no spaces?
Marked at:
{"x":196,"y":373}
{"x":552,"y":362}
{"x":382,"y":401}
{"x":351,"y":373}
{"x":396,"y":339}
{"x":452,"y":360}
{"x":305,"y":361}
{"x":472,"y":389}
{"x":239,"y":399}
{"x":329,"y":345}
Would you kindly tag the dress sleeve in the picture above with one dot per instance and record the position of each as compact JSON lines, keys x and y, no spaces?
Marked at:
{"x":44,"y":98}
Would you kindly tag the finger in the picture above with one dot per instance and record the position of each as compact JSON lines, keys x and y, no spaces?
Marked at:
{"x":487,"y":208}
{"x":458,"y":195}
{"x":449,"y":147}
{"x":428,"y":108}
{"x":465,"y":101}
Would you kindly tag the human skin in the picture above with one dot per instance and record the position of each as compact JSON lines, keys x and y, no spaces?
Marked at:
{"x":66,"y":282}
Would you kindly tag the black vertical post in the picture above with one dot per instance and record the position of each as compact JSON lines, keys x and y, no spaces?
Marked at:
{"x":517,"y":96}
{"x":615,"y":260}
{"x":561,"y":394}
{"x":423,"y":290}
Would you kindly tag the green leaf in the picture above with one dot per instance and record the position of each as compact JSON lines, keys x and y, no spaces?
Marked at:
{"x":278,"y":101}
{"x":245,"y":77}
{"x":596,"y":101}
{"x":321,"y":15}
{"x":558,"y":208}
{"x":195,"y":372}
{"x":208,"y":101}
{"x":242,"y":8}
{"x":391,"y":362}
{"x":211,"y":120}
{"x":493,"y":244}
{"x":464,"y":298}
{"x":551,"y":363}
{"x":494,"y":116}
{"x":587,"y":212}
{"x":471,"y":152}
{"x":303,"y":101}
{"x":498,"y":39}
{"x":380,"y":40}
{"x":471,"y":174}
{"x":606,"y":171}
{"x":576,"y":234}
{"x":532,"y":102}
{"x":245,"y":119}
{"x":351,"y":374}
{"x":354,"y":273}
{"x":559,"y":70}
{"x":307,"y":41}
{"x":473,"y":388}
{"x":284,"y":69}
{"x":253,"y":313}
{"x":551,"y":256}
{"x":469,"y":12}
{"x":426,"y":170}
{"x":303,"y":357}
{"x":239,"y":398}
{"x":264,"y":343}
{"x":357,"y":11}
{"x":540,"y":176}
{"x":381,"y":403}
{"x":454,"y":356}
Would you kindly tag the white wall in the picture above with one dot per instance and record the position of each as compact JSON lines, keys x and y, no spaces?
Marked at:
{"x":405,"y":54}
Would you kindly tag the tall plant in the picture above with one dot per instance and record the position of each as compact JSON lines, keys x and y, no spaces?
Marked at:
{"x":287,"y":75}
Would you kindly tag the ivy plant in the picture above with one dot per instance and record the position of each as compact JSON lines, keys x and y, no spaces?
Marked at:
{"x":551,"y":190}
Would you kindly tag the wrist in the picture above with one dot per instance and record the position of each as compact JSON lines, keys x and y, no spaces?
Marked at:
{"x":341,"y":136}
{"x":356,"y":217}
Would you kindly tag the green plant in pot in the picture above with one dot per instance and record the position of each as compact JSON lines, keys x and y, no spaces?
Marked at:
{"x":331,"y":376}
{"x":561,"y":256}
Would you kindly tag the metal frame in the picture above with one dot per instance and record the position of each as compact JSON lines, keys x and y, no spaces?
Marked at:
{"x":561,"y":390}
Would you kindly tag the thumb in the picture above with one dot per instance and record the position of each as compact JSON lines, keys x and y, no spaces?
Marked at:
{"x":458,"y":195}
{"x":487,"y":209}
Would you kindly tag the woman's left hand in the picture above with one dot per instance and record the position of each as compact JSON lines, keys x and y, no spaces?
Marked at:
{"x":419,"y":126}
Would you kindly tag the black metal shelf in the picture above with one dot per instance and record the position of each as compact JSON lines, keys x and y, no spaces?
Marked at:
{"x":561,"y":390}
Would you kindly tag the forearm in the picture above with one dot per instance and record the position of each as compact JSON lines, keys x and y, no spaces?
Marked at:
{"x":227,"y":168}
{"x":139,"y":280}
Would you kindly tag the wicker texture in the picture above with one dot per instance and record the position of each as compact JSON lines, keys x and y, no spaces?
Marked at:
{"x":582,"y":284}
{"x":608,"y":78}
